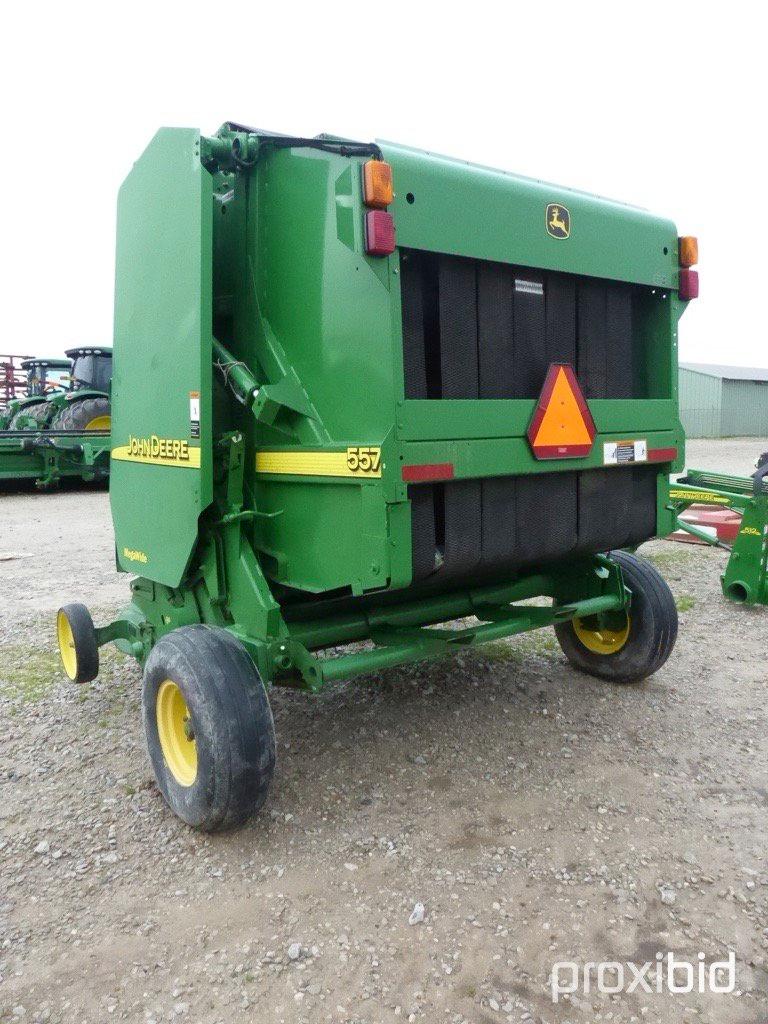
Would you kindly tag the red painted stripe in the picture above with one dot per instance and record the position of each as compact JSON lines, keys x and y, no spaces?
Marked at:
{"x":428,"y":472}
{"x":662,"y":454}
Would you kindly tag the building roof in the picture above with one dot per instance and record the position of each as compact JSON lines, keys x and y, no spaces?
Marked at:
{"x":728,"y":372}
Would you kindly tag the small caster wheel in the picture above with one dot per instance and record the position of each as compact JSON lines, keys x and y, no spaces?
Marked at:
{"x":77,"y":643}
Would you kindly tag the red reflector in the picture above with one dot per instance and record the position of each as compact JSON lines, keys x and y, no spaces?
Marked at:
{"x":689,"y":284}
{"x":379,"y":233}
{"x":662,"y":454}
{"x":429,"y":472}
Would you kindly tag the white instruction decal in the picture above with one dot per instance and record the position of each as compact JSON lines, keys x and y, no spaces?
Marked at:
{"x":619,"y":453}
{"x":194,"y":414}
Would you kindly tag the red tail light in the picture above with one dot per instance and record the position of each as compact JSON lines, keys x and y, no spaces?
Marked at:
{"x":689,"y":284}
{"x":379,"y":233}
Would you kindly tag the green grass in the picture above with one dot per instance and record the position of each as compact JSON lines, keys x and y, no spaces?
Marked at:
{"x":668,"y":560}
{"x":28,"y":673}
{"x":685,"y":602}
{"x":541,"y":642}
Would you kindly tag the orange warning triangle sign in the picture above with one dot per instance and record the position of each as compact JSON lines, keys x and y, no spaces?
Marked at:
{"x":562,"y":426}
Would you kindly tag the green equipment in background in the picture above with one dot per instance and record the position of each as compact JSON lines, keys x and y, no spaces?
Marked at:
{"x":56,"y":430}
{"x":362,"y":392}
{"x":44,"y":378}
{"x":745,"y":579}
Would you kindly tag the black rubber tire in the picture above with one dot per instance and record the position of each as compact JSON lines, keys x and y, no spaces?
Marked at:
{"x":80,"y":411}
{"x":40,"y":412}
{"x":84,"y":638}
{"x":232,"y":721}
{"x":652,"y":634}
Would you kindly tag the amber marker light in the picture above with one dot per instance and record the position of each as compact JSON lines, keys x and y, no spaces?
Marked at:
{"x":377,"y":184}
{"x":688,"y":249}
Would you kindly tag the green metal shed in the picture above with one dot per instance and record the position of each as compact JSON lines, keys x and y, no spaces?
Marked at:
{"x":723,"y":401}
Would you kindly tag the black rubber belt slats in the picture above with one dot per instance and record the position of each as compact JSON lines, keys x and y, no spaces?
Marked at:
{"x":605,"y":366}
{"x":475,"y":329}
{"x":484,"y":528}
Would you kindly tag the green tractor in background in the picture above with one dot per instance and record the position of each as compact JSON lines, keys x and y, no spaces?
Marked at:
{"x":61,"y":428}
{"x":32,"y":408}
{"x":86,"y":405}
{"x":83,"y":406}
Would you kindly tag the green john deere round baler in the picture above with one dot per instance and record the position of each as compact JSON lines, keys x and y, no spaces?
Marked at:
{"x":366,"y":403}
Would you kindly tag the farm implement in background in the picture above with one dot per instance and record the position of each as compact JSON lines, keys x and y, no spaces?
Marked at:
{"x":745,"y":579}
{"x":60,"y":425}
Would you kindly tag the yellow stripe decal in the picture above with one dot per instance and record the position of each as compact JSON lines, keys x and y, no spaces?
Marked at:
{"x":171,"y":453}
{"x":358,"y":462}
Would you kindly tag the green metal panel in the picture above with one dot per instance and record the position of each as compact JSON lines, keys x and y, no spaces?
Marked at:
{"x":313,"y":315}
{"x":700,"y":403}
{"x":744,"y":408}
{"x":455,"y":207}
{"x":162,"y":353}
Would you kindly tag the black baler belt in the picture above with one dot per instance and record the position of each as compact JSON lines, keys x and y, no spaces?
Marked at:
{"x":458,"y":328}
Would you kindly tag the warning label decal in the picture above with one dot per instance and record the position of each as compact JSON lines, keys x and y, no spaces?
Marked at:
{"x":619,"y":453}
{"x":194,"y":414}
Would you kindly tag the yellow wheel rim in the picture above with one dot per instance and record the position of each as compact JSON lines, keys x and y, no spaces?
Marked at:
{"x":99,"y":423}
{"x":602,"y":640}
{"x":174,"y":727}
{"x":66,"y":645}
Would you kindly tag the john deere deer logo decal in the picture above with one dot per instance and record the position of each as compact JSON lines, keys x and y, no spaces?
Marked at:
{"x":558,"y":221}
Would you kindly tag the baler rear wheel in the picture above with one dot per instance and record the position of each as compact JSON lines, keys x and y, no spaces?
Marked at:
{"x":209,"y":727}
{"x":625,"y":647}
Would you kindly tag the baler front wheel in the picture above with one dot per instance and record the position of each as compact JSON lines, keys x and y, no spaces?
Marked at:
{"x":625,"y":647}
{"x":76,"y":637}
{"x":209,"y":727}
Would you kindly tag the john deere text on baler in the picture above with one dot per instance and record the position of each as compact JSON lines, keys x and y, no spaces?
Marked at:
{"x":361,"y":392}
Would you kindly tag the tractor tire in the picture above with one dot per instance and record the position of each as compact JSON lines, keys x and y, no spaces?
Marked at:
{"x":77,"y":643}
{"x":209,"y":727}
{"x":632,"y":650}
{"x":40,"y":412}
{"x":83,"y":414}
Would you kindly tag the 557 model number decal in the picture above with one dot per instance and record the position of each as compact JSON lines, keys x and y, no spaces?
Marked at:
{"x":364,"y":461}
{"x":359,"y":461}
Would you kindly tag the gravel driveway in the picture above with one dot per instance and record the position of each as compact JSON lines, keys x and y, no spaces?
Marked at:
{"x":538,"y":815}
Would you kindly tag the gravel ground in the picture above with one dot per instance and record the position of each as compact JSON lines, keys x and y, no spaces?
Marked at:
{"x":538,"y":815}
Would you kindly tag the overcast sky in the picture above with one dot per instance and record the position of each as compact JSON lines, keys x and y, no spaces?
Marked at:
{"x":658,"y":104}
